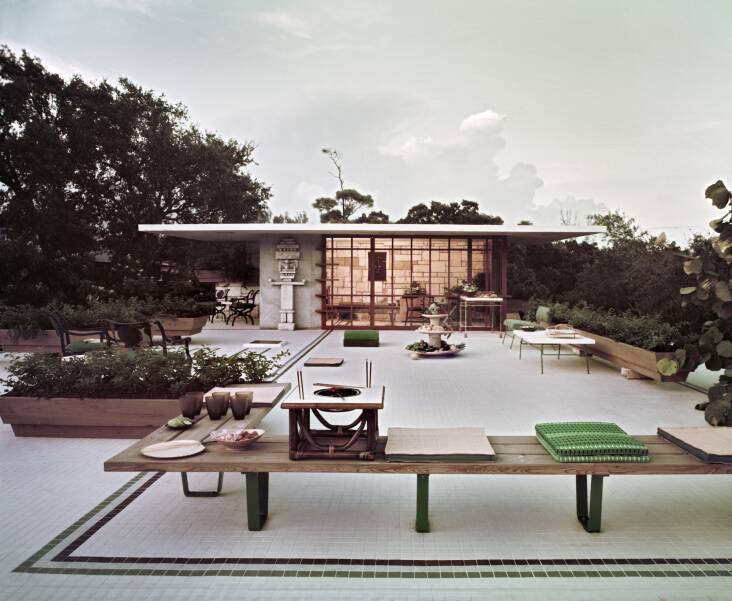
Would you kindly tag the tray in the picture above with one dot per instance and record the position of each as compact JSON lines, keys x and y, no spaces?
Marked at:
{"x":173,"y":449}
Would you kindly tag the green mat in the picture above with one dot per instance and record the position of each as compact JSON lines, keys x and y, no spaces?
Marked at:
{"x":590,"y":442}
{"x":361,"y":338}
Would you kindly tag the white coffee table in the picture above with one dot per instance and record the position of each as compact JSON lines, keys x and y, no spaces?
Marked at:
{"x":542,"y":339}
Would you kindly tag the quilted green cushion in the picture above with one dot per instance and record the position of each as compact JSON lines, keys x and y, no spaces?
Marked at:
{"x":544,"y":314}
{"x":361,"y":338}
{"x":590,"y":442}
{"x":80,"y":347}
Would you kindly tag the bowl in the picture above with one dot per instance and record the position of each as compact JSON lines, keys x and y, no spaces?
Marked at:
{"x":236,"y":445}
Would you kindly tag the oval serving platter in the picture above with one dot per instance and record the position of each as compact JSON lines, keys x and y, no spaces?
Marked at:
{"x":173,"y":449}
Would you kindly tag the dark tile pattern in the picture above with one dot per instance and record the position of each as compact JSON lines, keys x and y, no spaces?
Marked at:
{"x":58,"y":557}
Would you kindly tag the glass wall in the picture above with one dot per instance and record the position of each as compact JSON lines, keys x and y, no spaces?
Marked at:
{"x":386,"y":282}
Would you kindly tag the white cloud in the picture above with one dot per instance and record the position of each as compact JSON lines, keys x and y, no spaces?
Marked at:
{"x":286,"y":23}
{"x":487,"y":122}
{"x":412,"y":148}
{"x":143,"y":7}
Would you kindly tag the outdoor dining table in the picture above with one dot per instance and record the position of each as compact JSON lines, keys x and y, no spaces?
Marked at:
{"x":541,"y":339}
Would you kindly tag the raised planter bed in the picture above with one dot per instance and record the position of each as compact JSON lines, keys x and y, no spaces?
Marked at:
{"x":85,"y":417}
{"x":636,"y":359}
{"x":184,"y":326}
{"x":46,"y":341}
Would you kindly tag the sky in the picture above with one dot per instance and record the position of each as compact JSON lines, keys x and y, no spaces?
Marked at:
{"x":529,"y":108}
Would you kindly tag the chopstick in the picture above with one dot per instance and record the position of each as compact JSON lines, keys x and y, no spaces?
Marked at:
{"x":336,"y":385}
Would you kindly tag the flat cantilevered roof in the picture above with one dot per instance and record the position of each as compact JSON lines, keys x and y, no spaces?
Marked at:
{"x":526,"y":234}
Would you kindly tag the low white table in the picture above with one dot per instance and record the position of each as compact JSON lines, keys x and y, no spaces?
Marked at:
{"x":542,"y":339}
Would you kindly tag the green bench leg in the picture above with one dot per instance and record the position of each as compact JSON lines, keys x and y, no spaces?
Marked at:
{"x":203,"y":493}
{"x":590,"y":518}
{"x":423,"y":502}
{"x":257,"y":499}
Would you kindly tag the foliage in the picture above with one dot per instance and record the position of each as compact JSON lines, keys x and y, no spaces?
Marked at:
{"x":299,"y":217}
{"x":256,"y":367}
{"x":648,"y":332}
{"x":466,"y":212}
{"x":347,"y":201}
{"x":84,"y":163}
{"x":144,"y":373}
{"x":373,"y":217}
{"x":423,"y":346}
{"x":25,"y":321}
{"x":341,"y":208}
{"x":630,"y":271}
{"x":710,"y":292}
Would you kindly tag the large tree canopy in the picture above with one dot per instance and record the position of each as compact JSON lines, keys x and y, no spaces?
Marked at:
{"x":466,"y":212}
{"x":82,"y":164}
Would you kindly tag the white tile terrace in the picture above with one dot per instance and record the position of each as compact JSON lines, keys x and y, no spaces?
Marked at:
{"x":47,"y":484}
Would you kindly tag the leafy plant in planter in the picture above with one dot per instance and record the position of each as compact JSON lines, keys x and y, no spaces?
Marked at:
{"x":144,"y":373}
{"x":711,"y":291}
{"x":256,"y":367}
{"x":644,"y":331}
{"x":23,"y":321}
{"x":141,"y":374}
{"x":415,"y":288}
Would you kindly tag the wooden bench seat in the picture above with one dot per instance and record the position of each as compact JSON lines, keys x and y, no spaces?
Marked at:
{"x":515,"y":455}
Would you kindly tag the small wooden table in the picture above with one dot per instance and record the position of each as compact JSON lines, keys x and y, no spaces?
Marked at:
{"x":515,"y":455}
{"x":541,"y":339}
{"x":355,"y":440}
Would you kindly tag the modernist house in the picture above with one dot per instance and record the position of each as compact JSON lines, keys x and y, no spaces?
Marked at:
{"x":372,"y":275}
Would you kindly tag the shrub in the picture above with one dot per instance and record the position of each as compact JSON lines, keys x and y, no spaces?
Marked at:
{"x":144,"y":373}
{"x":645,"y":331}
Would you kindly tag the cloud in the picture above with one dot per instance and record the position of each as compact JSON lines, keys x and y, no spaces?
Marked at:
{"x":410,"y":149}
{"x":286,"y":23}
{"x":486,"y":122}
{"x":568,"y":210}
{"x":143,"y":7}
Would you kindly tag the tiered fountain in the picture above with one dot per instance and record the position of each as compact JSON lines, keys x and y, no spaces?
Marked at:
{"x":435,"y":330}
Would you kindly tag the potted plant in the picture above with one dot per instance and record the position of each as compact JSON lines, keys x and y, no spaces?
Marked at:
{"x":116,"y":394}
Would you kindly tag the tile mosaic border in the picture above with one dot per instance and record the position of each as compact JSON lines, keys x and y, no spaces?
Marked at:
{"x":58,"y":557}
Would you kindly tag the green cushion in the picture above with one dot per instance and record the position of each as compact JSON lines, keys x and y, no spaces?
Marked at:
{"x":590,"y":442}
{"x":517,"y":324}
{"x":361,"y":338}
{"x":80,"y":347}
{"x":544,"y":314}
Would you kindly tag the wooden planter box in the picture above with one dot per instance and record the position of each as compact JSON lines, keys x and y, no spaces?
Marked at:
{"x":86,"y":417}
{"x":46,"y":341}
{"x":184,"y":326}
{"x":636,"y":359}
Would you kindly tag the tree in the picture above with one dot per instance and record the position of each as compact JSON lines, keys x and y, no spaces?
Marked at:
{"x":347,"y":201}
{"x":299,"y":217}
{"x":466,"y":212}
{"x":341,"y":208}
{"x":373,"y":217}
{"x":81,"y":165}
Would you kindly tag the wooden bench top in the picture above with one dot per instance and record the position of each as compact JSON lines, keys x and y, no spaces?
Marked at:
{"x":514,"y":455}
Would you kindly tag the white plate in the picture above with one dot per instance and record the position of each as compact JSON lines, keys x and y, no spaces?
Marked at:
{"x":173,"y":449}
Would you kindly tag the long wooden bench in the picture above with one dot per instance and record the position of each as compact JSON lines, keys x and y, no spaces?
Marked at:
{"x":514,"y":455}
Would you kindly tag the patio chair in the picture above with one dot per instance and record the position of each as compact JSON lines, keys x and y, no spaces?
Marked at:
{"x":136,"y":334}
{"x":243,"y":308}
{"x":414,"y":306}
{"x":221,"y":305}
{"x":77,"y":347}
{"x":543,"y":315}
